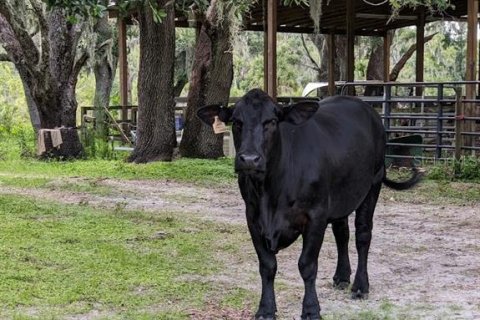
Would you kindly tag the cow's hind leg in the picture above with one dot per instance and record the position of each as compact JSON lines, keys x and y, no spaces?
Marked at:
{"x":363,"y":236}
{"x":308,"y":266}
{"x":341,"y":279}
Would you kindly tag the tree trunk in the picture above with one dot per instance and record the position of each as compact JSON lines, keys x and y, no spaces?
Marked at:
{"x":32,"y":108}
{"x":49,"y":73}
{"x":341,"y":57}
{"x":210,"y":82}
{"x":375,"y":68}
{"x":104,"y":70}
{"x":407,"y":55}
{"x":181,"y":75}
{"x":321,"y":43}
{"x":156,"y":107}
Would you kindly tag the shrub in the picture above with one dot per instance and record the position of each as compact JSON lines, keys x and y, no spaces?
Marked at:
{"x":18,"y":142}
{"x":466,"y":168}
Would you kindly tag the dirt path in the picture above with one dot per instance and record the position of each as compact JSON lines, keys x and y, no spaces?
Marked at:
{"x":424,"y":260}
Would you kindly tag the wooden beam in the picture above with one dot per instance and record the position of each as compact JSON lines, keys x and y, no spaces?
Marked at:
{"x":300,"y":29}
{"x":472,"y":42}
{"x":471,"y":73}
{"x":331,"y":63}
{"x":377,"y":16}
{"x":350,"y":23}
{"x":271,"y":49}
{"x":420,"y":52}
{"x":478,"y":68}
{"x":122,"y":60}
{"x":123,"y":65}
{"x":265,"y":47}
{"x":387,"y":41}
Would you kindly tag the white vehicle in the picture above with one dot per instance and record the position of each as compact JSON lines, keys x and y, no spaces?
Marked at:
{"x":320,"y":89}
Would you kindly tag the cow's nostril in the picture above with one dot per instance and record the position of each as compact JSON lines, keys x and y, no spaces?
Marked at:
{"x":251,"y":159}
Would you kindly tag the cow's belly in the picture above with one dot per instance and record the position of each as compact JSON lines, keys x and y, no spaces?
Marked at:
{"x":348,"y":198}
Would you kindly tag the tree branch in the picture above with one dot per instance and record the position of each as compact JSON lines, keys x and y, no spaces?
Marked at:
{"x":407,"y":55}
{"x":14,"y":51}
{"x":38,"y":9}
{"x":9,"y":41}
{"x":22,"y":36}
{"x":315,"y":64}
{"x":42,"y":21}
{"x":4,"y":57}
{"x":211,"y":15}
{"x":79,"y":65}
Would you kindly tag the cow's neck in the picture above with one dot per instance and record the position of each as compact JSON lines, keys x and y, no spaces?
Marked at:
{"x":278,"y":171}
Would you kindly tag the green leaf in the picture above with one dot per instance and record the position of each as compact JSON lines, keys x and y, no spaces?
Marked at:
{"x":158,"y":14}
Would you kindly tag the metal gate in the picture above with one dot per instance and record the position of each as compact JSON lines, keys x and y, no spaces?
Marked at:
{"x":432,"y":126}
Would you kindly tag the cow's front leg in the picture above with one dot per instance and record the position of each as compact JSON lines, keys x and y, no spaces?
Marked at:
{"x":341,"y":279}
{"x":268,"y":269}
{"x":308,"y":266}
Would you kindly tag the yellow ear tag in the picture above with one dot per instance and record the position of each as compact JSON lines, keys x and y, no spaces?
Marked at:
{"x":219,"y":126}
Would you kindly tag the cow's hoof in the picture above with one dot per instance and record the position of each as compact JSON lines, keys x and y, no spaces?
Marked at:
{"x":359,"y":295}
{"x":316,"y":317}
{"x":266,"y":317}
{"x":341,"y":285}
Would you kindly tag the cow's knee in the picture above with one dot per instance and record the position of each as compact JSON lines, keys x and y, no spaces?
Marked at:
{"x":307,"y":268}
{"x":268,"y":267}
{"x":363,"y":237}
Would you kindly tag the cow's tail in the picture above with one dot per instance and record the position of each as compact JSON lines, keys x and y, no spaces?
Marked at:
{"x":404,"y":185}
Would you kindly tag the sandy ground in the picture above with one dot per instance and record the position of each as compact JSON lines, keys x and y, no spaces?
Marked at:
{"x":424,"y":259}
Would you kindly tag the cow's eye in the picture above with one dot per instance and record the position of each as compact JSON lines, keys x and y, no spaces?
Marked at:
{"x":270,"y":123}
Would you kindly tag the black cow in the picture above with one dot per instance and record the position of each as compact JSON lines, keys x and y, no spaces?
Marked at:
{"x":300,"y":168}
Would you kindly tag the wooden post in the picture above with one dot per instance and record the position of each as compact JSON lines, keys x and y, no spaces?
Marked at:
{"x":271,"y":49}
{"x":350,"y":23}
{"x":458,"y":122}
{"x":472,"y":44}
{"x":478,"y":69}
{"x":331,"y":64}
{"x":420,"y":52}
{"x":387,"y":39}
{"x":265,"y":48}
{"x":123,"y":68}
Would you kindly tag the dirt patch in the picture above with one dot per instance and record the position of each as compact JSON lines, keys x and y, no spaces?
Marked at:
{"x":424,"y":261}
{"x":215,"y":312}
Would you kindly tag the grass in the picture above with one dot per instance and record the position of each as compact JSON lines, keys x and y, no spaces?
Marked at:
{"x":74,"y":261}
{"x":64,"y":260}
{"x":16,"y":159}
{"x":186,"y":170}
{"x":436,"y":192}
{"x":86,"y":173}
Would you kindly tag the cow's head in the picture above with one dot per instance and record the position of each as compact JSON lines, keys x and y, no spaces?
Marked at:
{"x":255,"y":121}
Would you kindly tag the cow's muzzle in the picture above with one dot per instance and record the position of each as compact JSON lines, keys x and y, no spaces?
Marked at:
{"x":249,"y":162}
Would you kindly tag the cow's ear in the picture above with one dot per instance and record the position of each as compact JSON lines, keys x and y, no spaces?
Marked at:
{"x":300,"y":112}
{"x":208,"y":113}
